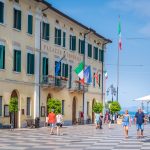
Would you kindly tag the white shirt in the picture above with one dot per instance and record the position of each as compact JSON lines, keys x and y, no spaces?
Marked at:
{"x":59,"y":118}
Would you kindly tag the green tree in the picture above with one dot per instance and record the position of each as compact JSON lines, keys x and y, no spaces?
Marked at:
{"x":13,"y":105}
{"x":54,"y":104}
{"x":115,"y":107}
{"x":97,"y":107}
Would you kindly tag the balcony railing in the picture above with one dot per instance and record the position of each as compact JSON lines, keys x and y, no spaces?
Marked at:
{"x":55,"y":82}
{"x":78,"y":87}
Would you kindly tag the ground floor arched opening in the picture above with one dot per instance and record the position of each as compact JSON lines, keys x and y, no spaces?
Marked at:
{"x":93,"y":115}
{"x":14,"y":115}
{"x":74,"y":107}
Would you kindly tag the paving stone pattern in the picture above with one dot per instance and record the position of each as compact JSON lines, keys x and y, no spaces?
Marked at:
{"x":82,"y":137}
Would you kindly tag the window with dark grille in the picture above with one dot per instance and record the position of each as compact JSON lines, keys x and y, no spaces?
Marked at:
{"x":89,"y":50}
{"x":95,"y":53}
{"x":30,"y":63}
{"x":57,"y":36}
{"x":1,"y":12}
{"x":72,"y":42}
{"x":81,"y":46}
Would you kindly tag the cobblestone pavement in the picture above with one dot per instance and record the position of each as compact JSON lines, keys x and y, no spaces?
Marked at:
{"x":82,"y":137}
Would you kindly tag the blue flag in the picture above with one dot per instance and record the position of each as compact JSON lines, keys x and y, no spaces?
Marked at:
{"x":57,"y":69}
{"x":87,"y":75}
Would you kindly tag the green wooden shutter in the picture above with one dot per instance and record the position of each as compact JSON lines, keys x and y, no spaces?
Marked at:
{"x":82,"y":46}
{"x":1,"y":12}
{"x":70,"y":42}
{"x":59,"y":37}
{"x":74,"y":43}
{"x":43,"y":30}
{"x":66,"y":70}
{"x":89,"y":50}
{"x":44,"y":66}
{"x":30,"y":24}
{"x":64,"y":39}
{"x":102,"y":55}
{"x":63,"y":70}
{"x":18,"y":61}
{"x":2,"y":57}
{"x":19,"y":20}
{"x":14,"y":61}
{"x":47,"y":31}
{"x":55,"y":35}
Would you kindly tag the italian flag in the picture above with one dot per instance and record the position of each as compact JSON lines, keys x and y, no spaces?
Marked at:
{"x":79,"y":70}
{"x":106,"y":75}
{"x":119,"y":34}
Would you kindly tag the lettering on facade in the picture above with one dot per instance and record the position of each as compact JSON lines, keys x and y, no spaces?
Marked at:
{"x":57,"y":51}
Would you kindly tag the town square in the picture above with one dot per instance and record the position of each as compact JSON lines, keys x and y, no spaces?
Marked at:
{"x":74,"y":74}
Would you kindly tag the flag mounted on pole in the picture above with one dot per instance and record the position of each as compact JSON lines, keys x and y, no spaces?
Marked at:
{"x":106,"y":75}
{"x":96,"y":77}
{"x":87,"y":75}
{"x":119,"y":35}
{"x":79,"y":70}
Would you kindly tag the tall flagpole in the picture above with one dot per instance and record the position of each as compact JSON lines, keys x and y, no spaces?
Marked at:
{"x":118,"y":60}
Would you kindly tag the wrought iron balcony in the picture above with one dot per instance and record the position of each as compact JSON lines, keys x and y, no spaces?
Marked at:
{"x":54,"y":82}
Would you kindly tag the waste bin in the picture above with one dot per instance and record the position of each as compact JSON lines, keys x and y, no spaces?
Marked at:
{"x":37,"y":122}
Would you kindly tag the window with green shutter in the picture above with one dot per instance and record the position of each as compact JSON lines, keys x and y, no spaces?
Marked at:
{"x":2,"y":57}
{"x":101,"y":55}
{"x":64,"y":39}
{"x":65,"y":70}
{"x":70,"y":77}
{"x":17,"y":60}
{"x":96,"y":53}
{"x":30,"y":63}
{"x":45,"y":66}
{"x":72,"y":43}
{"x":1,"y":12}
{"x":57,"y":36}
{"x":81,"y":46}
{"x":17,"y":19}
{"x":89,"y":50}
{"x":45,"y":31}
{"x":30,"y":24}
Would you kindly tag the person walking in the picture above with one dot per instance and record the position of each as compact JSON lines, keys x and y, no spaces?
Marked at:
{"x":139,"y":120}
{"x":59,"y":120}
{"x":101,"y":121}
{"x":97,"y":119}
{"x":51,"y":121}
{"x":107,"y":119}
{"x":126,"y":122}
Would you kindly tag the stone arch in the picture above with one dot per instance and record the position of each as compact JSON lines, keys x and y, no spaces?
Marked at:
{"x":74,"y":110}
{"x":14,"y":116}
{"x":93,"y":115}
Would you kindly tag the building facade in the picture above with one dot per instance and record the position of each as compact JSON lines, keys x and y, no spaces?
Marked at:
{"x":34,"y":37}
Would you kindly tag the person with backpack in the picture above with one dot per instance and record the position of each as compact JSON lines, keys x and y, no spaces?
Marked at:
{"x":126,"y":123}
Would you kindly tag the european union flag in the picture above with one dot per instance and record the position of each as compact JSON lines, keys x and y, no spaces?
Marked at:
{"x":57,"y":68}
{"x":87,"y":75}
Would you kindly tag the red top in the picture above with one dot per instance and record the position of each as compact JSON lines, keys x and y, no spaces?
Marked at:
{"x":51,"y":118}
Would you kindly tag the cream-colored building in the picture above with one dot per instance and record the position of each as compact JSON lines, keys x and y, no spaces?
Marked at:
{"x":34,"y":36}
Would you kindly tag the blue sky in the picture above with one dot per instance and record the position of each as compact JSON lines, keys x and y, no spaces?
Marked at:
{"x":102,"y":16}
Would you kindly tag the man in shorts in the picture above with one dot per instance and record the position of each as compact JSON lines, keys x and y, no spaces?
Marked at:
{"x":139,"y":120}
{"x":51,"y":121}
